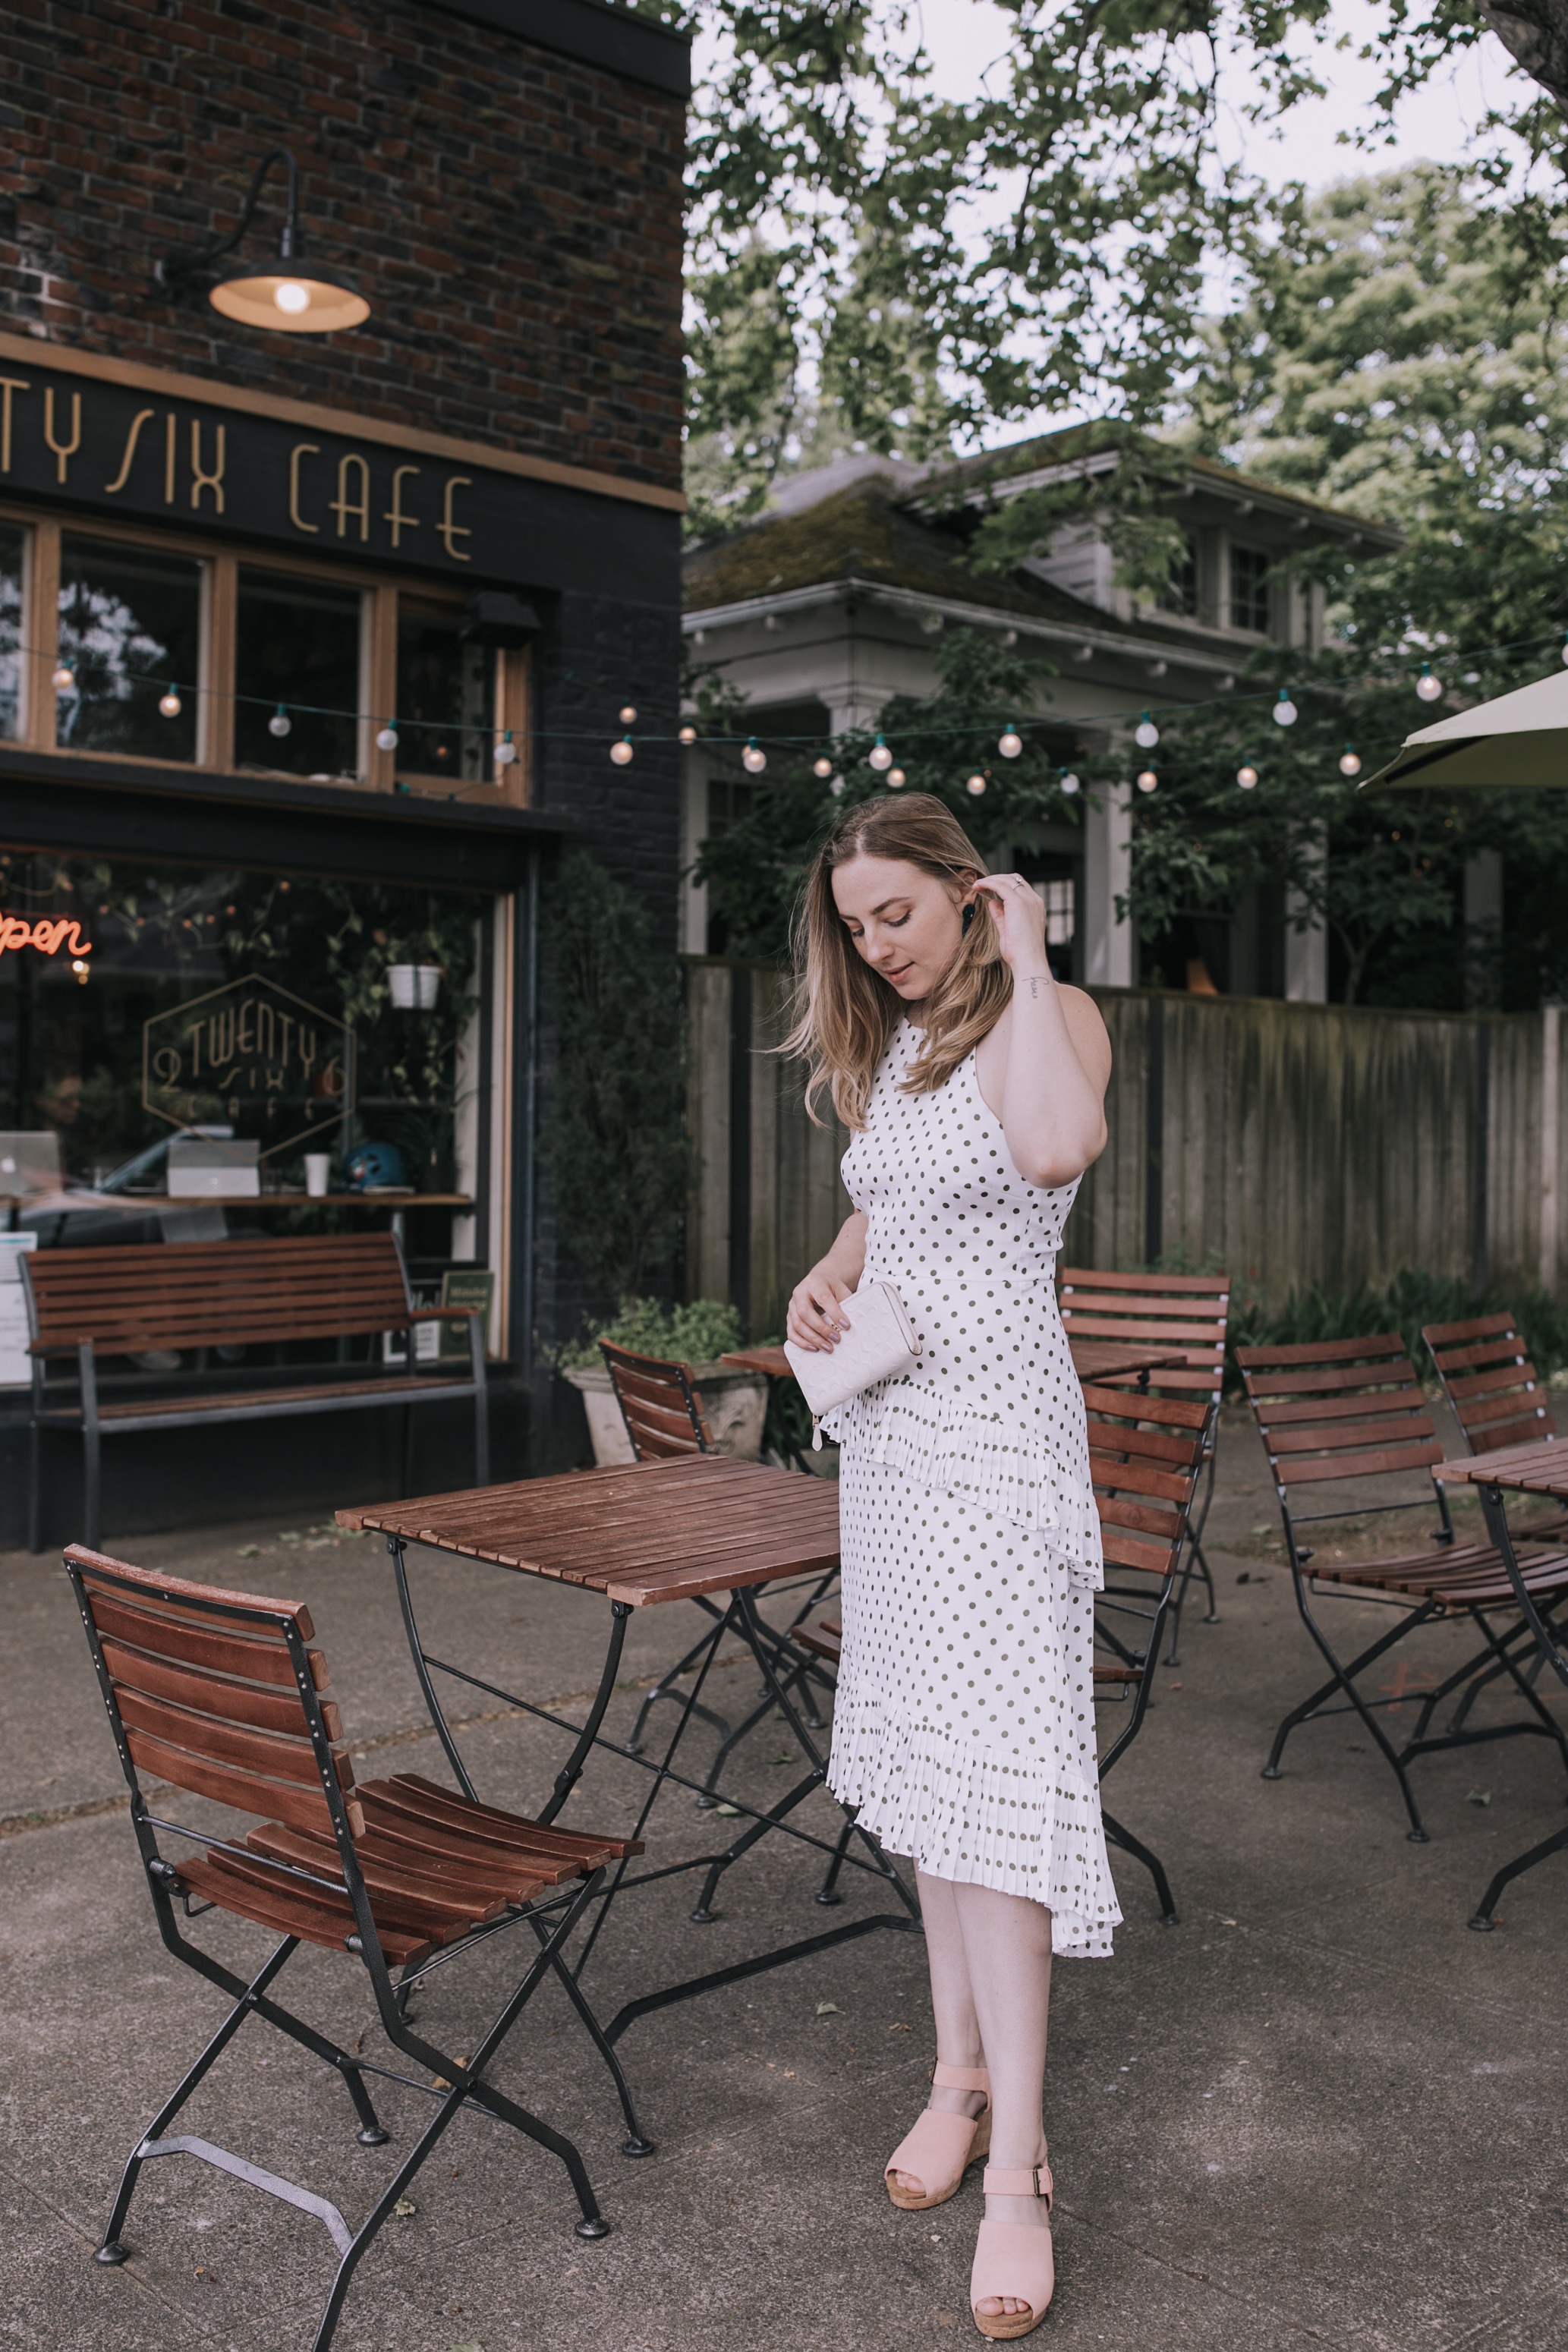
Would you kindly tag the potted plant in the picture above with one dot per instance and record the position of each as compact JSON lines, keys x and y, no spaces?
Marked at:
{"x":735,"y":1404}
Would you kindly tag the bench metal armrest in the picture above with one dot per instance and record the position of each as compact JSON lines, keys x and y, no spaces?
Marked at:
{"x":442,"y":1314}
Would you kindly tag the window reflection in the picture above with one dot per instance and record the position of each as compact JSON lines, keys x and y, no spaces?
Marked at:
{"x":297,"y":657}
{"x":130,"y":635}
{"x":10,"y":630}
{"x":446,"y":697}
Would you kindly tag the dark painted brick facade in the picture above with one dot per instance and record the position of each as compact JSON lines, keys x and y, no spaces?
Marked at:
{"x":515,"y":215}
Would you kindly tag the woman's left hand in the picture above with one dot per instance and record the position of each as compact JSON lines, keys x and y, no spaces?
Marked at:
{"x":1020,"y":918}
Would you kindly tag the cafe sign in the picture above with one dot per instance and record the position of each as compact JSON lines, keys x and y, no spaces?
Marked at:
{"x":253,"y":1057}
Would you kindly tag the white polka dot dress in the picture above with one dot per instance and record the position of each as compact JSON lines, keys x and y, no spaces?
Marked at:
{"x":964,"y":1726}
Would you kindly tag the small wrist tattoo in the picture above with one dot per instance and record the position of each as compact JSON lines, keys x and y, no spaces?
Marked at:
{"x":1037,"y":981}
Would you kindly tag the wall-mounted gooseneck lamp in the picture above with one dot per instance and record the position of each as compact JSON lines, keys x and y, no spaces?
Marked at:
{"x":285,"y":296}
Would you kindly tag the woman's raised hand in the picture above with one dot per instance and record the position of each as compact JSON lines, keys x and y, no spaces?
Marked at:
{"x":1019,"y":914}
{"x":815,"y":1318}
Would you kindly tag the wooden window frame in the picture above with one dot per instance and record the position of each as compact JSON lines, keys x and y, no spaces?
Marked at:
{"x":220,"y":560}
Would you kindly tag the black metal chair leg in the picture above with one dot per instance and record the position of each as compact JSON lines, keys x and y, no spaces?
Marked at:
{"x":828,"y":1893}
{"x":35,"y":1489}
{"x":1483,"y":1921}
{"x":637,"y":2142}
{"x":1152,"y":1864}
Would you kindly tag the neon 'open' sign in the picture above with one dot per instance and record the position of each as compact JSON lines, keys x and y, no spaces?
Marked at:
{"x":49,"y":934}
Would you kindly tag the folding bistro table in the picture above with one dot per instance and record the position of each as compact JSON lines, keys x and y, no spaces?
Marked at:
{"x":697,"y":1527}
{"x":1539,"y":1468}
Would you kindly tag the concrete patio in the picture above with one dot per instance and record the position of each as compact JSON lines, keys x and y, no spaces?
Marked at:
{"x":1319,"y":2110}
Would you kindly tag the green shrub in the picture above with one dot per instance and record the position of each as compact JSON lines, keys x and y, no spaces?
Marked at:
{"x":1410,"y":1300}
{"x":695,"y":1334}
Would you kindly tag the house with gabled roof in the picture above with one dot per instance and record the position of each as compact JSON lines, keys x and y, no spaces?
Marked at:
{"x":832,"y":602}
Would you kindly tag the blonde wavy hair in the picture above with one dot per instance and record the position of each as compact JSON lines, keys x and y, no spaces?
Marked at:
{"x":844,"y":1012}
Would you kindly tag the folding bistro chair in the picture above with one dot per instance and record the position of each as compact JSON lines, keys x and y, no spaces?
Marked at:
{"x":1191,"y":1311}
{"x":1344,"y":1413}
{"x":221,"y":1695}
{"x":664,"y":1414}
{"x":1146,"y":1456}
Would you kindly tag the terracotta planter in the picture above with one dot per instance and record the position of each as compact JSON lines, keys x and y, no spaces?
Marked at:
{"x":735,"y":1404}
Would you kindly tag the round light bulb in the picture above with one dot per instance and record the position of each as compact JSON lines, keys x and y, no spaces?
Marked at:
{"x":1146,"y":734}
{"x":81,"y":970}
{"x":753,"y":759}
{"x":879,"y":756}
{"x":1565,"y":648}
{"x":1009,"y":744}
{"x":628,"y":714}
{"x":896,"y":779}
{"x":291,"y":297}
{"x":1350,"y":761}
{"x":64,"y":678}
{"x":688,"y":736}
{"x":621,"y":752}
{"x":1427,"y":686}
{"x":280,"y":724}
{"x":836,"y":787}
{"x":823,"y":768}
{"x":976,"y":784}
{"x":1285,"y":713}
{"x":386,"y":739}
{"x":170,"y":704}
{"x":1148,"y":781}
{"x":505,"y":752}
{"x":1246,"y":775}
{"x":1071,"y":783}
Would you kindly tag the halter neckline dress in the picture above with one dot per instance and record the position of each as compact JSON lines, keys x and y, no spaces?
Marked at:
{"x":964,"y":1725}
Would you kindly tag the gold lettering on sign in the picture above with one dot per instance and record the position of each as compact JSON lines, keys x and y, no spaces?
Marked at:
{"x":201,"y":481}
{"x":301,"y":449}
{"x":8,"y":385}
{"x":394,"y":515}
{"x":449,"y":529}
{"x":169,"y":459}
{"x":127,"y":460}
{"x":64,"y":450}
{"x":343,"y":505}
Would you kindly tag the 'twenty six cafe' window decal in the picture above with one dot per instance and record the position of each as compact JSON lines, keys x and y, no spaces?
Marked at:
{"x":253,"y":1056}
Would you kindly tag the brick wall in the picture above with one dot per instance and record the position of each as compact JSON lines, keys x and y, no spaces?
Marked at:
{"x":513,"y":214}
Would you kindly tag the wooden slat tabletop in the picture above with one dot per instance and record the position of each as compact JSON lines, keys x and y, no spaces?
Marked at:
{"x":1538,"y":1468}
{"x":646,"y":1532}
{"x":1092,"y":1358}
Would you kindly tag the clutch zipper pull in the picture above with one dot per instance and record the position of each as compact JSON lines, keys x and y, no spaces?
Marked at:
{"x":815,"y":1433}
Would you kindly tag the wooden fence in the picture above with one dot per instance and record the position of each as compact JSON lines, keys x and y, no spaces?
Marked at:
{"x":1290,"y":1143}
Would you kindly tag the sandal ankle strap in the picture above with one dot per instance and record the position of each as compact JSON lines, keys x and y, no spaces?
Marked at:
{"x":960,"y":2078}
{"x":1033,"y":2181}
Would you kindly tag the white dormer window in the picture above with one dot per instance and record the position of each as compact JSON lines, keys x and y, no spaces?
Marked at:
{"x":1249,"y":599}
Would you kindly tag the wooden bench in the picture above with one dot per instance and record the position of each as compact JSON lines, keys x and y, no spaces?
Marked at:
{"x":127,"y":1301}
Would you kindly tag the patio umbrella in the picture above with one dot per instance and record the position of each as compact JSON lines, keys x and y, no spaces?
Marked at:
{"x":1521,"y":740}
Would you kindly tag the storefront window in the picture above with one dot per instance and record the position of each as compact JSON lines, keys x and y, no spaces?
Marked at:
{"x":297,"y":660}
{"x":446,"y":697}
{"x":130,"y":638}
{"x":259,"y":1004}
{"x":11,"y":547}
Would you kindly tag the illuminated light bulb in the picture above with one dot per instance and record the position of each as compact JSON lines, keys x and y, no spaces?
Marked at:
{"x":64,"y":678}
{"x":386,"y":739}
{"x":688,"y":736}
{"x":976,"y":784}
{"x":1350,"y":761}
{"x":1148,"y":781}
{"x":280,"y":724}
{"x":1070,"y":783}
{"x":82,"y":971}
{"x":505,"y":751}
{"x":753,"y":759}
{"x":1284,"y":713}
{"x":896,"y":779}
{"x":1246,"y":775}
{"x":291,"y":297}
{"x":621,"y":752}
{"x":1565,"y":644}
{"x":823,"y":768}
{"x":879,"y":756}
{"x":628,"y":714}
{"x":1146,"y":734}
{"x":170,"y":704}
{"x":1427,"y":686}
{"x":1009,"y":742}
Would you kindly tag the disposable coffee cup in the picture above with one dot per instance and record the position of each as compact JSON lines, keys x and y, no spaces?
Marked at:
{"x":318,"y":1165}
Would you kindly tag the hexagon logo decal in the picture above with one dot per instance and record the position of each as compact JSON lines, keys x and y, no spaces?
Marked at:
{"x":253,"y":1057}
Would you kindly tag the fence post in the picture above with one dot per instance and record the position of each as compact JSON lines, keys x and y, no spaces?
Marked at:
{"x":1155,"y":1132}
{"x":740,"y":1138}
{"x":1480,"y":1255}
{"x":1551,"y":1140}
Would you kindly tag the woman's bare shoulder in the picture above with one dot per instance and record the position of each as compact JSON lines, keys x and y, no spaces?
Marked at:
{"x":1091,"y":1039}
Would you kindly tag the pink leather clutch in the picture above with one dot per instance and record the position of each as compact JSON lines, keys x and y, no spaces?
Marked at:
{"x":879,"y":1345}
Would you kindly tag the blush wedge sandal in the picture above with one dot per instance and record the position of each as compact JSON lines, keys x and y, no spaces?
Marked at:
{"x":1012,"y":2258}
{"x":941,"y":2147}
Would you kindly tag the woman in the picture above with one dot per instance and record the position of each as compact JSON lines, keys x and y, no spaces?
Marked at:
{"x":964,"y":1728}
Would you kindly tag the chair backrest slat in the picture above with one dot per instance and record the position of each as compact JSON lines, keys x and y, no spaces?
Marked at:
{"x":129,"y":1299}
{"x":1188,"y":1310}
{"x":1144,"y":1455}
{"x":1496,"y":1393}
{"x":662,"y":1410}
{"x":1339,"y":1410}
